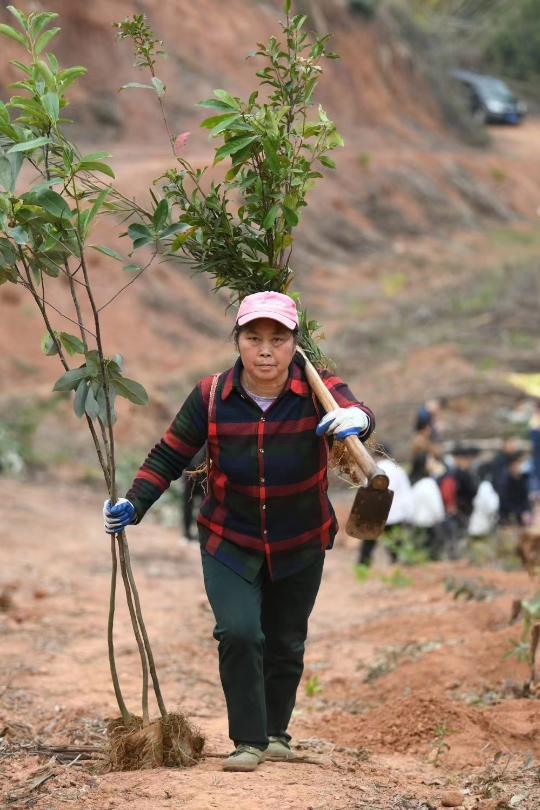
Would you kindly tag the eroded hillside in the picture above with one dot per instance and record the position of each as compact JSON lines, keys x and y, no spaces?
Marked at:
{"x":418,"y":254}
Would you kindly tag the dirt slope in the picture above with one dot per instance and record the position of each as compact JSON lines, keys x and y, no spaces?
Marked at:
{"x":392,"y":666}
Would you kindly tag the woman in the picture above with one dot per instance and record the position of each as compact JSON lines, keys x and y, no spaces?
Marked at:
{"x":266,"y":521}
{"x":427,"y":501}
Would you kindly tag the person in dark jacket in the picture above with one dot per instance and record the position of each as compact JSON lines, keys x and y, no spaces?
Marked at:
{"x":266,"y":522}
{"x":515,"y":504}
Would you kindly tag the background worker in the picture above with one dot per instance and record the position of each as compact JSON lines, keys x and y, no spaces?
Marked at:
{"x":401,"y":510}
{"x":266,"y":522}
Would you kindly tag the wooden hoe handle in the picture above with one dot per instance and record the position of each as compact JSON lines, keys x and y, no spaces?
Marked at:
{"x":376,"y":477}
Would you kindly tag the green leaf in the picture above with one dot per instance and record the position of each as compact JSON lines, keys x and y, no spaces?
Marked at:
{"x":79,"y":401}
{"x":72,"y":345}
{"x":28,"y":146}
{"x":41,"y":20}
{"x":172,"y":229}
{"x":94,"y":166}
{"x":131,"y":390}
{"x":137,"y":229}
{"x":131,"y":268}
{"x":107,"y":251}
{"x":291,"y":216}
{"x":53,"y":62}
{"x":45,"y":38}
{"x":287,"y":6}
{"x":12,"y":33}
{"x":19,"y":235}
{"x":70,"y":379}
{"x":332,"y":55}
{"x":181,"y":239}
{"x":136,"y":84}
{"x":160,"y":214}
{"x":272,"y":157}
{"x":226,"y":98}
{"x":224,"y":124}
{"x":4,"y":114}
{"x":98,"y":202}
{"x":326,"y":161}
{"x":119,"y":360}
{"x":51,"y":103}
{"x":48,"y":346}
{"x":270,"y":217}
{"x":95,"y":156}
{"x":54,"y":204}
{"x":158,"y":84}
{"x":142,"y":241}
{"x":92,"y":363}
{"x":213,"y":102}
{"x":234,"y":145}
{"x":6,"y":173}
{"x":23,"y":22}
{"x":46,"y":74}
{"x":214,"y":120}
{"x":91,"y":406}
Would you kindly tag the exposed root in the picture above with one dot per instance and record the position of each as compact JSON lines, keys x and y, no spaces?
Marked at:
{"x":134,"y":748}
{"x":183,"y":743}
{"x":170,"y":740}
{"x":340,"y":459}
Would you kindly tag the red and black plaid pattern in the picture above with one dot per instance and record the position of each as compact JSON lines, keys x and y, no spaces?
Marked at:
{"x":267,"y":486}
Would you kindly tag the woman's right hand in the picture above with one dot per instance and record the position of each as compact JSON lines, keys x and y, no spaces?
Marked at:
{"x":119,"y":516}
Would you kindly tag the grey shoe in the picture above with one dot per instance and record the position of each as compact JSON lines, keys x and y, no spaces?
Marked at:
{"x":279,"y":749}
{"x":244,"y":758}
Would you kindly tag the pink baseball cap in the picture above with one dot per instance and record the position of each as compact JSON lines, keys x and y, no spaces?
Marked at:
{"x":272,"y":305}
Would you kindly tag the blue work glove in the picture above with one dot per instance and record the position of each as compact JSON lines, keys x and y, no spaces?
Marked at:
{"x":117,"y":517}
{"x":343,"y":422}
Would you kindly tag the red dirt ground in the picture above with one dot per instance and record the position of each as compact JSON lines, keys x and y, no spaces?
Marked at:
{"x":439,"y":664}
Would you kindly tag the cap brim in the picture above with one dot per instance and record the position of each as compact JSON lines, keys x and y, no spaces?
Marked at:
{"x":253,"y":316}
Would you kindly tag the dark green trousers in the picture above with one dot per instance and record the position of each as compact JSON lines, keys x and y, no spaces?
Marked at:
{"x":261,"y":627}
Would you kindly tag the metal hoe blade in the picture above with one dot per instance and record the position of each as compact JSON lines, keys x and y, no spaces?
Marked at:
{"x":369,"y":513}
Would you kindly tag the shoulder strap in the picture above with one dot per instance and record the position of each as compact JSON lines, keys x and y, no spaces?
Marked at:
{"x":211,"y":416}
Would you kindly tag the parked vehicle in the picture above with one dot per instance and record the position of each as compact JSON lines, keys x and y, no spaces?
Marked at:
{"x":490,"y":99}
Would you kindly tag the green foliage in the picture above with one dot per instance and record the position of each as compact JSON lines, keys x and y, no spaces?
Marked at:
{"x":313,"y":686}
{"x":44,"y":233}
{"x":143,"y":39}
{"x":407,"y":543}
{"x":275,"y":148}
{"x":526,"y":649}
{"x":514,"y":49}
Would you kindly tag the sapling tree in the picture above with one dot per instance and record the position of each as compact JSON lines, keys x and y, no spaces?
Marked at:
{"x":46,"y":233}
{"x":240,"y":230}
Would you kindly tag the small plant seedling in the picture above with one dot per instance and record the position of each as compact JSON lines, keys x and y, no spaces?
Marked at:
{"x":408,"y":544}
{"x":439,"y":744}
{"x":362,"y":573}
{"x":396,"y":579}
{"x":526,"y":649}
{"x":470,"y":589}
{"x":313,"y":686}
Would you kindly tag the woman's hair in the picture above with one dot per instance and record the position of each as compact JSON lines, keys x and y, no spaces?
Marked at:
{"x":237,"y":331}
{"x":419,"y":468}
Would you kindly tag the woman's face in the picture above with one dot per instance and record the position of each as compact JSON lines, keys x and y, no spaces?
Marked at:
{"x":266,"y":348}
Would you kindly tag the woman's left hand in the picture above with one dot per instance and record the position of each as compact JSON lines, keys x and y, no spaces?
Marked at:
{"x":343,"y":422}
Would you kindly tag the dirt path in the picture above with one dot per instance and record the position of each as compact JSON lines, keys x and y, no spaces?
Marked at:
{"x":392,"y":664}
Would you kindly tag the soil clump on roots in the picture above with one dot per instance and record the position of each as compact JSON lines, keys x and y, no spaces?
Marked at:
{"x":171,"y":741}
